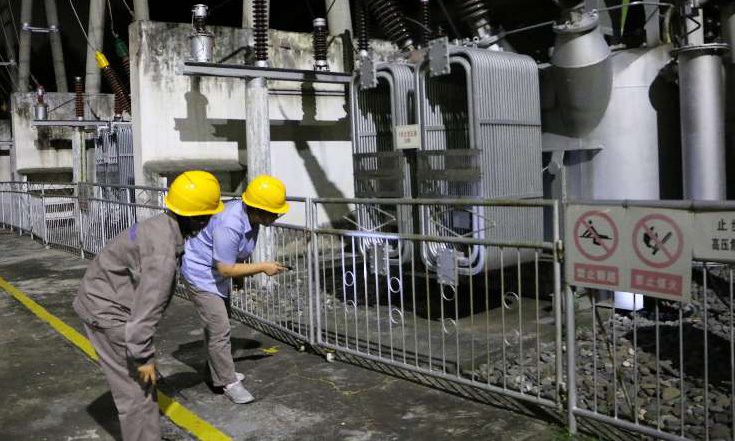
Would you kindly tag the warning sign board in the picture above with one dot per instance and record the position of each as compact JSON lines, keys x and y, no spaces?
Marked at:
{"x":661,"y":258}
{"x":640,"y":250}
{"x":715,"y":236}
{"x":407,"y":137}
{"x":593,"y":247}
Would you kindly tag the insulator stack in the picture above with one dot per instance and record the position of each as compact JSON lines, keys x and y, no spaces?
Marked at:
{"x":260,"y":30}
{"x":393,"y":23}
{"x":477,"y":16}
{"x":426,"y":22}
{"x":199,"y":17}
{"x":320,"y":44}
{"x":118,"y":106}
{"x":126,"y":64}
{"x":122,"y":51}
{"x":117,"y":87}
{"x":363,"y":44}
{"x":41,"y":108}
{"x":79,"y":97}
{"x":113,"y":80}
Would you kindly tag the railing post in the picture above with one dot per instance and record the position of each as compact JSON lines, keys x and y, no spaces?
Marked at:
{"x":2,"y":208}
{"x":20,"y":210}
{"x":10,"y":204}
{"x":557,"y":301}
{"x":571,"y":362}
{"x":43,"y":215}
{"x":102,"y":213}
{"x":310,"y":267}
{"x":79,"y":218}
{"x":568,"y":306}
{"x":314,"y":297}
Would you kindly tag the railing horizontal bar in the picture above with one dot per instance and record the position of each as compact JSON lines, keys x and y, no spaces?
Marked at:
{"x":437,"y":239}
{"x":627,"y":425}
{"x":489,"y":387}
{"x":438,"y":201}
{"x":690,"y":205}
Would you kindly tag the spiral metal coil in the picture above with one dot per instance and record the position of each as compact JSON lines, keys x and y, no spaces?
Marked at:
{"x":391,"y":19}
{"x":117,"y":106}
{"x":117,"y":87}
{"x":363,"y":44}
{"x":79,"y":97}
{"x":260,"y":29}
{"x":320,"y":44}
{"x":476,"y":14}
{"x":126,"y":64}
{"x":426,"y":22}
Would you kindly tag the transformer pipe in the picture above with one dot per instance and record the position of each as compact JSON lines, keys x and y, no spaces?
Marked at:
{"x":52,"y":17}
{"x":140,"y":8}
{"x":339,"y":19}
{"x":24,"y":50}
{"x":95,"y":33}
{"x":728,"y":29}
{"x":9,"y":48}
{"x":702,"y":98}
{"x":582,"y":74}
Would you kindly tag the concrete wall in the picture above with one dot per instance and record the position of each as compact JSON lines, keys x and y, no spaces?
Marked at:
{"x":185,"y":122}
{"x":47,"y":150}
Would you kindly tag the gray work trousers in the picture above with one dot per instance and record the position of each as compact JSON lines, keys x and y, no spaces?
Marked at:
{"x":213,"y":313}
{"x":137,"y":405}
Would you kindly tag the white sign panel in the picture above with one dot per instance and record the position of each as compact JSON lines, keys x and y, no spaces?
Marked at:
{"x":660,"y":253}
{"x":407,"y":137}
{"x":715,"y":236}
{"x":594,"y":256}
{"x":646,"y":251}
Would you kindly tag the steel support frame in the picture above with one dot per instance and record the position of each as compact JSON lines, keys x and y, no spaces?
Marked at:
{"x":191,"y":68}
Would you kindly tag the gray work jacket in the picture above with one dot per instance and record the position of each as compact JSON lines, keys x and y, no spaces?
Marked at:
{"x":131,"y":282}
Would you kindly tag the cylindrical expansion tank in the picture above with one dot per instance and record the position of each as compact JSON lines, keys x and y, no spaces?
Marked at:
{"x":628,"y":165}
{"x":702,"y":98}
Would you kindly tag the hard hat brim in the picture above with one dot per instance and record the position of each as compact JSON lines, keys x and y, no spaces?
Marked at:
{"x":189,"y":213}
{"x":281,"y":210}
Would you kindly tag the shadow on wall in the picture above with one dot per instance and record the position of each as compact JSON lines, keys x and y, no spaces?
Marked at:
{"x":309,"y":129}
{"x":664,"y":97}
{"x":196,"y":127}
{"x":730,"y":129}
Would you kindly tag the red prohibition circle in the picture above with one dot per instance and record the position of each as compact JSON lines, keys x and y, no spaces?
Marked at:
{"x":680,"y":237}
{"x":609,"y":220}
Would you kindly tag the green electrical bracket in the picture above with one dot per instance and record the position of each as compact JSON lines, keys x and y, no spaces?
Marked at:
{"x":121,"y":48}
{"x":624,"y":15}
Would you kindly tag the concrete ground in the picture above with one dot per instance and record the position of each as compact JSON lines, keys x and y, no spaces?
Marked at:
{"x":51,"y":390}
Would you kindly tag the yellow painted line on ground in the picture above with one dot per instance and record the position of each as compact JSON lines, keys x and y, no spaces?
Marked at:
{"x":180,"y":415}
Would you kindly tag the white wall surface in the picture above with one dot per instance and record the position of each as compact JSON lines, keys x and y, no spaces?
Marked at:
{"x":48,"y":149}
{"x":183,"y":122}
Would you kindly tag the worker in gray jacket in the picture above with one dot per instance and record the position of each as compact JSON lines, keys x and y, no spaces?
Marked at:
{"x":127,"y":287}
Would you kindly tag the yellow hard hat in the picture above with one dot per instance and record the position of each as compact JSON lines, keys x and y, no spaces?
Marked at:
{"x":267,"y":193}
{"x":194,"y":193}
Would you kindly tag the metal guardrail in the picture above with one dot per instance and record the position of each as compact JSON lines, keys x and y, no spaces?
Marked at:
{"x":667,"y":373}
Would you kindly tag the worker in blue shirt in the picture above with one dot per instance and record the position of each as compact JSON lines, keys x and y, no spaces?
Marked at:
{"x":215,"y":256}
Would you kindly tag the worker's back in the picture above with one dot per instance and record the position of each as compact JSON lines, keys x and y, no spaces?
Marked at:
{"x":137,"y":262}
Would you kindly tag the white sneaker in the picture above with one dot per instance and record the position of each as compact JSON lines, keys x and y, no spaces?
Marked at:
{"x":238,"y":394}
{"x":239,"y":376}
